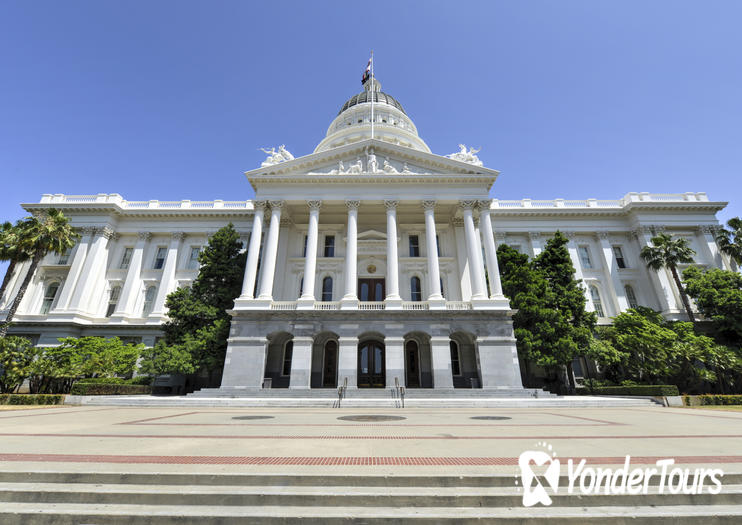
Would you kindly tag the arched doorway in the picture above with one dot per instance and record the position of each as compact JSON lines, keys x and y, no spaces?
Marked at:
{"x":330,"y":364}
{"x":412,"y":364}
{"x":371,"y":366}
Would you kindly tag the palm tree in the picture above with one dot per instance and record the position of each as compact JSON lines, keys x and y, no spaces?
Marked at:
{"x":733,"y":248}
{"x":10,"y":251}
{"x":668,"y":253}
{"x":50,"y":231}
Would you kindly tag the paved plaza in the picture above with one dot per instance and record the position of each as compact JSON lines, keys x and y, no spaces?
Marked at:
{"x":316,"y":441}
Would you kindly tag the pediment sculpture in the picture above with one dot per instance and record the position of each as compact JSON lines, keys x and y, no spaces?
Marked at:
{"x":276,"y":157}
{"x":469,"y":156}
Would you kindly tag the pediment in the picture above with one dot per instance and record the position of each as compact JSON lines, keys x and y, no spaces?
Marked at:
{"x":370,"y":158}
{"x":372,"y":235}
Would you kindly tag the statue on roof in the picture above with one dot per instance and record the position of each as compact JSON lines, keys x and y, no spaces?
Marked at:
{"x":469,"y":156}
{"x":276,"y":157}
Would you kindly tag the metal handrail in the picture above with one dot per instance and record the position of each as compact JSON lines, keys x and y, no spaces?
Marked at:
{"x":341,"y":392}
{"x":399,"y":391}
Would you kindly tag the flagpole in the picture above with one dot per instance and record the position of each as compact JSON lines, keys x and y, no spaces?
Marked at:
{"x":372,"y":94}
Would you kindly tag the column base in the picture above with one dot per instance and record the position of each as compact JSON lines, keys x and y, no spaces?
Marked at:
{"x":349,"y":303}
{"x":393,"y":303}
{"x":490,"y":303}
{"x":252,"y":304}
{"x":305,"y":303}
{"x":436,"y":303}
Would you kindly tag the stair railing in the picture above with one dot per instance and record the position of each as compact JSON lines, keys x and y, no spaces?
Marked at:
{"x":341,"y":392}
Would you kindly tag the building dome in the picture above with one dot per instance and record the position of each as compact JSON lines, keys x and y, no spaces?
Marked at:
{"x":353,"y":121}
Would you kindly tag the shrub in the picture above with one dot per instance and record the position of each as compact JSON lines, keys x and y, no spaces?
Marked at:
{"x":31,"y":399}
{"x":103,"y":389}
{"x":140,"y":380}
{"x":712,"y":399}
{"x":633,"y":390}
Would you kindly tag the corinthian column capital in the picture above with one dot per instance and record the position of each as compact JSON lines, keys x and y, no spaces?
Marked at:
{"x":391,"y":204}
{"x":428,"y":205}
{"x":314,"y":205}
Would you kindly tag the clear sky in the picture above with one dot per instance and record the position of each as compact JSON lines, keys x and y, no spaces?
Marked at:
{"x":172,"y":99}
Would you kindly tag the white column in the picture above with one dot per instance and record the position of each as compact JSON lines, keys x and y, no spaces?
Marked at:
{"x":92,"y":270}
{"x":348,"y":361}
{"x":394,"y":360}
{"x":434,"y":273}
{"x":572,"y":249}
{"x":474,"y":252}
{"x":663,"y":289}
{"x":168,"y":274}
{"x":393,"y":299}
{"x":253,"y":251}
{"x":490,"y":250}
{"x":440,"y":356}
{"x":350,"y":299}
{"x":268,"y":268}
{"x":65,"y":295}
{"x":133,"y":283}
{"x":708,"y":242}
{"x":536,"y":244}
{"x":301,"y":363}
{"x":306,"y":301}
{"x":616,"y":290}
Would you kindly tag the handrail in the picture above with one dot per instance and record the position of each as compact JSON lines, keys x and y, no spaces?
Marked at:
{"x":341,"y":392}
{"x":399,"y":393}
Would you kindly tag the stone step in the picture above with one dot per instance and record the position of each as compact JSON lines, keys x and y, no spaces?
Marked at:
{"x":308,"y":496}
{"x":128,"y":514}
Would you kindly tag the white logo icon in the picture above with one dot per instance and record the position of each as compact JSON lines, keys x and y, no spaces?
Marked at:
{"x":533,"y":490}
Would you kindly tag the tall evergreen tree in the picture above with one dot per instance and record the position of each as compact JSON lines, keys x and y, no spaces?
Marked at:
{"x":198,"y":318}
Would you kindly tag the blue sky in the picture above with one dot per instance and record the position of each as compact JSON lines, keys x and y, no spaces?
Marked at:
{"x":172,"y":99}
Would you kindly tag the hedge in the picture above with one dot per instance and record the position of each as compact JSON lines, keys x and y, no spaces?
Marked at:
{"x":712,"y":399}
{"x":632,"y":390}
{"x":139,"y":380}
{"x":98,"y":389}
{"x":31,"y":399}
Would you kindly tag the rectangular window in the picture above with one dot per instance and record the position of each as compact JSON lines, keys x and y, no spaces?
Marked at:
{"x":585,"y":260}
{"x":618,"y":253}
{"x":64,"y":257}
{"x":414,"y":246}
{"x":193,"y":258}
{"x":126,"y":258}
{"x":160,"y":258}
{"x":329,"y":246}
{"x":304,"y":250}
{"x":288,"y":351}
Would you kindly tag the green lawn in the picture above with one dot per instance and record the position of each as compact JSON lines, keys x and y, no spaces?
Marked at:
{"x":733,"y":408}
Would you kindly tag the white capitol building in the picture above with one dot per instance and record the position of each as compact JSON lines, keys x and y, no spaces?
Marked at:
{"x":371,"y":262}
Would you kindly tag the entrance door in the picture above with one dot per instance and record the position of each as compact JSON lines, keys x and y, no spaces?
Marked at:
{"x":330,"y":365}
{"x":371,"y":369}
{"x":371,"y":289}
{"x":412,"y":365}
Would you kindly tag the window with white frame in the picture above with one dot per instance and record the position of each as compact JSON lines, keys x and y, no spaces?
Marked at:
{"x":288,"y":351}
{"x":584,"y":253}
{"x":160,"y":258}
{"x":597,"y":303}
{"x":618,"y":254}
{"x":64,"y":257}
{"x":192,"y":263}
{"x":49,"y":296}
{"x":631,"y":296}
{"x":416,"y":293}
{"x":113,"y":299}
{"x":126,"y":259}
{"x":329,"y":246}
{"x":149,"y":300}
{"x":327,"y":289}
{"x":414,"y":246}
{"x":455,"y":358}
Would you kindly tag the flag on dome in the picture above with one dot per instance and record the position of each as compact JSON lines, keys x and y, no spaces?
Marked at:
{"x":367,"y":73}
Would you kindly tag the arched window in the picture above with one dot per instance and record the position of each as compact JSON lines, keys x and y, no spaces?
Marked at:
{"x":327,"y":289}
{"x":416,"y":293}
{"x":288,"y":352}
{"x":455,"y":358}
{"x":49,"y":296}
{"x":631,"y":296}
{"x":113,"y":300}
{"x":149,"y":300}
{"x":597,"y":303}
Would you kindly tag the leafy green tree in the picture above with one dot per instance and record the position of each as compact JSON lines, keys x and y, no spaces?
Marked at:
{"x":50,"y":231}
{"x":11,"y":250}
{"x":668,"y":252}
{"x":164,"y":359}
{"x":16,"y":355}
{"x":551,"y":325}
{"x":198,"y":318}
{"x":55,"y":369}
{"x":730,"y":241}
{"x":718,"y":295}
{"x":103,"y":357}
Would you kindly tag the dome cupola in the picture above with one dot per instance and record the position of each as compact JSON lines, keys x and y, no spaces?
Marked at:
{"x":390,"y":122}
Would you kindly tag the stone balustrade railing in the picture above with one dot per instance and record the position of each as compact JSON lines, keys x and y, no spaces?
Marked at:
{"x":601,"y":203}
{"x":115,"y":198}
